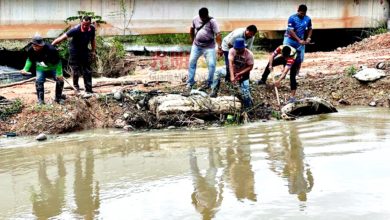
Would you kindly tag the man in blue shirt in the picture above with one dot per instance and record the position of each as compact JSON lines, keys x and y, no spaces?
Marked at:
{"x":298,"y":26}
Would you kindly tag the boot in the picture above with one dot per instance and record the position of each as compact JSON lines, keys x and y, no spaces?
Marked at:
{"x":58,"y":94}
{"x":40,"y":92}
{"x":214,"y":91}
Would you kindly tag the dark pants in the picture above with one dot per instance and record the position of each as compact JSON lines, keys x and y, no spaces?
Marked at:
{"x":226,"y":55}
{"x":81,"y":67}
{"x":293,"y":71}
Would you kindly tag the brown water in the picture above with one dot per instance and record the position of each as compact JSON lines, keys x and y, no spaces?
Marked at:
{"x":332,"y":166}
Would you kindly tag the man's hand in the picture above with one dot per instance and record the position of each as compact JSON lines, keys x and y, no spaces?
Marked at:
{"x":271,"y":68}
{"x":24,"y":72}
{"x":277,"y":83}
{"x":60,"y":78}
{"x":93,"y":55}
{"x":308,"y":40}
{"x":220,"y":52}
{"x":302,"y":42}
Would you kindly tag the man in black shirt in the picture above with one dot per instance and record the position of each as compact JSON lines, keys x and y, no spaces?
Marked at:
{"x":82,"y":35}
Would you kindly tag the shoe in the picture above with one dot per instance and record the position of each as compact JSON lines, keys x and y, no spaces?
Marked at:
{"x":187,"y":91}
{"x":204,"y":87}
{"x":260,"y":82}
{"x":213,"y":94}
{"x":59,"y":101}
{"x":291,"y":100}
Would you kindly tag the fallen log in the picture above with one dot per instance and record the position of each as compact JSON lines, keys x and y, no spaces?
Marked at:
{"x":18,"y":83}
{"x":196,"y":105}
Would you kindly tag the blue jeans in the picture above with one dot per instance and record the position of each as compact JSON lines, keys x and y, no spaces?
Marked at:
{"x":244,"y":86}
{"x":211,"y":59}
{"x":42,"y":75}
{"x":300,"y":48}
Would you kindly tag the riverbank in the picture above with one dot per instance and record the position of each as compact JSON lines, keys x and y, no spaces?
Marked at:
{"x":324,"y":74}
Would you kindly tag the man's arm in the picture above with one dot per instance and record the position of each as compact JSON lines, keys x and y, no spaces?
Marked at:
{"x":247,"y":69}
{"x":219,"y":42}
{"x":231,"y":69}
{"x":59,"y":39}
{"x":192,"y":34}
{"x":294,"y":35}
{"x":309,"y":33}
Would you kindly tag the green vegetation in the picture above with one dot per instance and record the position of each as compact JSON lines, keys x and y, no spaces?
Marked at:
{"x":381,"y":28}
{"x":350,"y":71}
{"x":15,"y":107}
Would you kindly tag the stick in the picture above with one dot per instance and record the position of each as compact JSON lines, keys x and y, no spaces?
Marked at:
{"x":74,"y":88}
{"x":18,"y":83}
{"x":276,"y":89}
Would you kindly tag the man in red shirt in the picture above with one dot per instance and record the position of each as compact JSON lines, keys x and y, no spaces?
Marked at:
{"x":283,"y":55}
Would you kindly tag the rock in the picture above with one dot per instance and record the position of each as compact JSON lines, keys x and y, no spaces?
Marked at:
{"x":344,"y":102}
{"x":198,"y":92}
{"x":171,"y":127}
{"x":118,"y":95}
{"x":372,"y":104}
{"x":119,"y":123}
{"x":41,"y":137}
{"x":128,"y":128}
{"x":126,"y":115}
{"x":369,"y":74}
{"x":307,"y":106}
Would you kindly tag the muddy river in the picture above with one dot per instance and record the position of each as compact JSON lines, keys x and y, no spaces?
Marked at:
{"x":333,"y":166}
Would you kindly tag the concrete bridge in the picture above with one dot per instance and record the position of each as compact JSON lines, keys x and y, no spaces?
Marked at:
{"x":23,"y":18}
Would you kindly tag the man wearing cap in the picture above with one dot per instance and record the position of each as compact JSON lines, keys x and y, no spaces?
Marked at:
{"x":204,"y":32}
{"x":48,"y":64}
{"x":283,"y":55}
{"x":240,"y":64}
{"x":247,"y":33}
{"x":82,"y":35}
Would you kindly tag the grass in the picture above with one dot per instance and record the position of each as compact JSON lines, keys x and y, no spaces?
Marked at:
{"x":14,"y":108}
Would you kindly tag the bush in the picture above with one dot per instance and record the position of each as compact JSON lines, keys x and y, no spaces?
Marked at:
{"x":13,"y":108}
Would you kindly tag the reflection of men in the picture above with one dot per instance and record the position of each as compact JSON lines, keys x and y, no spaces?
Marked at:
{"x":283,"y":55}
{"x":204,"y":32}
{"x":87,"y":199}
{"x":240,"y":172}
{"x":240,"y":64}
{"x":51,"y":199}
{"x":48,"y":64}
{"x":247,"y":33}
{"x":82,"y":35}
{"x":298,"y":25}
{"x":206,"y":196}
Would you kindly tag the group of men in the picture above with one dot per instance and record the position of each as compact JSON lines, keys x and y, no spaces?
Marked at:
{"x":47,"y":61}
{"x":205,"y":34}
{"x":239,"y":60}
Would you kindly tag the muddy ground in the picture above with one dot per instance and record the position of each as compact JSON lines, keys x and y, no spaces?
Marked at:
{"x":323,"y":74}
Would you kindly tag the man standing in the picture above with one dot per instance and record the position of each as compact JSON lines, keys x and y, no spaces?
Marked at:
{"x":48,"y":64}
{"x":283,"y":55}
{"x":204,"y":32}
{"x":247,"y":33}
{"x":298,"y":26}
{"x":82,"y":35}
{"x":240,"y":64}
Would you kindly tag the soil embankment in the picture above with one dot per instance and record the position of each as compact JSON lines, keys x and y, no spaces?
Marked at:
{"x":323,"y":74}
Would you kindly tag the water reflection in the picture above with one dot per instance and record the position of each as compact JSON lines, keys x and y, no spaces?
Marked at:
{"x":85,"y":194}
{"x":238,"y":171}
{"x":48,"y":202}
{"x":288,"y":159}
{"x":207,"y":195}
